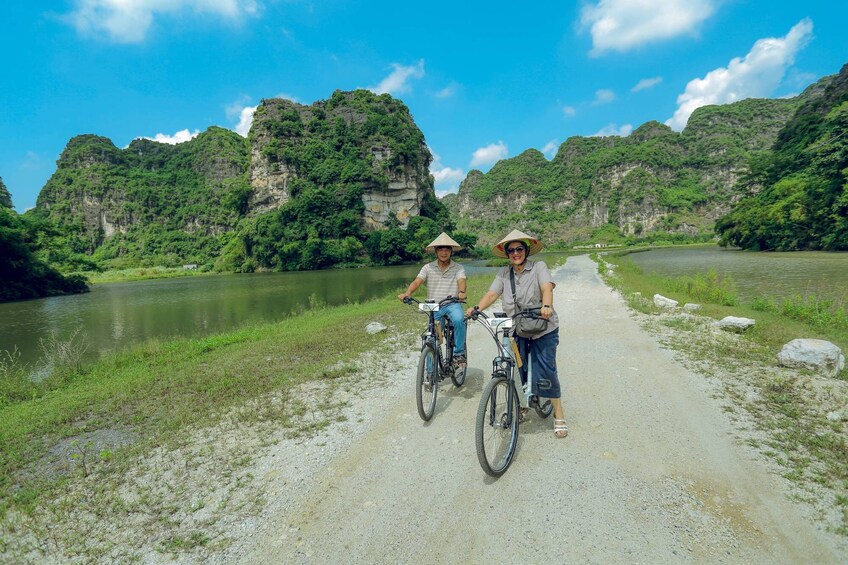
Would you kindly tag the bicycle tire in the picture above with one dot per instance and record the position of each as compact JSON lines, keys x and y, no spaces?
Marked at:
{"x":496,"y":430}
{"x":458,"y":376}
{"x":427,"y":383}
{"x":457,"y":373}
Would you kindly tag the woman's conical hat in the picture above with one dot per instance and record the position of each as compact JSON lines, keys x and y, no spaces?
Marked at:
{"x":441,"y":241}
{"x":532,"y":243}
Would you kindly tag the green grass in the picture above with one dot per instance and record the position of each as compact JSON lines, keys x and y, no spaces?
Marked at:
{"x":160,"y":389}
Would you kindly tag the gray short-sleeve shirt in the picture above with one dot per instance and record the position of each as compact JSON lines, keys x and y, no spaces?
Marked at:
{"x":528,"y":289}
{"x":441,"y":284}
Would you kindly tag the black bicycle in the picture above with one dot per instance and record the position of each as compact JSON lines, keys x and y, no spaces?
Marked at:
{"x":436,"y":359}
{"x":500,"y":410}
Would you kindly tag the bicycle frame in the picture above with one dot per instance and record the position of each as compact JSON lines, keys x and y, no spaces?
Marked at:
{"x":500,"y":327}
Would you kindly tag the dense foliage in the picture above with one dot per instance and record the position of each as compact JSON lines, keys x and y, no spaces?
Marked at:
{"x":798,"y":192}
{"x":22,"y":275}
{"x":192,"y":203}
{"x":5,"y":197}
{"x":654,"y":182}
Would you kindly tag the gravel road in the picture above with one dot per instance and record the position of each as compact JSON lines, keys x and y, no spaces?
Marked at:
{"x":653,"y":471}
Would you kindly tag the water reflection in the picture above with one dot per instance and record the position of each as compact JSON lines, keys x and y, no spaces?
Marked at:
{"x":779,"y":275}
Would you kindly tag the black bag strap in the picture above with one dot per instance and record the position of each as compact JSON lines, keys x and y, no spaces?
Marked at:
{"x":512,"y":284}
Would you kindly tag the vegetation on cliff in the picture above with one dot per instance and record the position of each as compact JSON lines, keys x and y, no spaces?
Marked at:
{"x":652,"y":183}
{"x":22,"y":275}
{"x":193,"y":203}
{"x":798,"y":191}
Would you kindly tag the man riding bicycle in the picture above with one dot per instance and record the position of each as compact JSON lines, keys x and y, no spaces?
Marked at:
{"x":444,"y":278}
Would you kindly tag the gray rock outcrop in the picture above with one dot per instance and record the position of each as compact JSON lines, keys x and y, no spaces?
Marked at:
{"x":813,"y":354}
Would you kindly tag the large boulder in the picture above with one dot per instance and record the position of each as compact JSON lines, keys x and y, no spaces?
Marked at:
{"x":734,"y":324}
{"x":663,"y":302}
{"x":814,"y":354}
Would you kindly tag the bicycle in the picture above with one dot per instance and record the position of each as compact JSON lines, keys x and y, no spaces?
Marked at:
{"x":436,"y":359}
{"x":499,"y":412}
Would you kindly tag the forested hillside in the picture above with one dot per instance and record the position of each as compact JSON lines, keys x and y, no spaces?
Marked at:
{"x":797,"y":194}
{"x":654,"y":183}
{"x":22,"y":275}
{"x":312,"y":186}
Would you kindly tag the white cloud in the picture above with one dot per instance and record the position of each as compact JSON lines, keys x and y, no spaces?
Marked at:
{"x":245,"y":120}
{"x":128,"y":21}
{"x":551,"y":148}
{"x":447,"y":179}
{"x":621,"y":25}
{"x":397,"y":81}
{"x":646,"y":83}
{"x":446,"y":92}
{"x":613,"y":129}
{"x":569,"y":111}
{"x":755,"y":75}
{"x":490,"y":154}
{"x":604,"y":96}
{"x":179,"y":137}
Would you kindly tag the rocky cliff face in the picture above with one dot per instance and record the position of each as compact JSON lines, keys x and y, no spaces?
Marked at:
{"x":653,"y":180}
{"x":206,"y":186}
{"x":381,"y":149}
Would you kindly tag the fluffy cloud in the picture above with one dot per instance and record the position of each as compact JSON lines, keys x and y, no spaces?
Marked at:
{"x":447,"y":91}
{"x":613,"y":129}
{"x":128,"y":21}
{"x":490,"y":154}
{"x":551,"y":148}
{"x":603,"y":97}
{"x":179,"y":137}
{"x":755,"y":75}
{"x":447,"y":178}
{"x":397,"y":81}
{"x":621,"y":25}
{"x":646,"y":83}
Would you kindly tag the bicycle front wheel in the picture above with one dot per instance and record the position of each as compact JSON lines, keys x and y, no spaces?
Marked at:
{"x":497,"y":426}
{"x":427,"y":383}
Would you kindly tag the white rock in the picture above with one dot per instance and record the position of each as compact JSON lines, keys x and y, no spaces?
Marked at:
{"x":814,"y":354}
{"x":663,"y":302}
{"x":691,"y":307}
{"x":375,"y":327}
{"x":836,"y":416}
{"x":734,"y":324}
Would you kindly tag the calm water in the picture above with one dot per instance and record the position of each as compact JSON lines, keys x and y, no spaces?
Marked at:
{"x":115,"y":315}
{"x":757,"y":274}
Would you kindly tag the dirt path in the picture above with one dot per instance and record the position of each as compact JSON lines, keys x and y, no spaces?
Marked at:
{"x":651,"y":471}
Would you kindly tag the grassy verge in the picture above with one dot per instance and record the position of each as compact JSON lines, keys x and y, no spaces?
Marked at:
{"x":140,"y":274}
{"x":797,"y":418}
{"x":77,"y":449}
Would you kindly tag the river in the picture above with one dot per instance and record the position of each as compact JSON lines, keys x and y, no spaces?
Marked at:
{"x":115,"y":315}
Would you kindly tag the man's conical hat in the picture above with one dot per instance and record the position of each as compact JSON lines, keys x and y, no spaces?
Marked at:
{"x":443,"y":240}
{"x":532,"y":243}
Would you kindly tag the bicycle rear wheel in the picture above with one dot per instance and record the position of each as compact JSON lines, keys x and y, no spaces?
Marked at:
{"x":497,"y":426}
{"x":427,"y":383}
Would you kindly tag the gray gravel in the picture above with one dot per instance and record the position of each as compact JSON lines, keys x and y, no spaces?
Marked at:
{"x":650,"y":473}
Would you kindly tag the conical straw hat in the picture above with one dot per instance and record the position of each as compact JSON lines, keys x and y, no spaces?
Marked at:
{"x":443,"y":240}
{"x":533,"y":244}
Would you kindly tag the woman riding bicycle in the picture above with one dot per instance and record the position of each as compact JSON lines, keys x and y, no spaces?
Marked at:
{"x":528,"y":283}
{"x":444,"y":278}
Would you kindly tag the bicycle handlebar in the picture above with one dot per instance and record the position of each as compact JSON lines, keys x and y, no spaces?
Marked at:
{"x":448,"y":300}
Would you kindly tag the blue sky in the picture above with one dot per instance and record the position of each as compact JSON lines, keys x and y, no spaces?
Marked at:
{"x":483,"y":80}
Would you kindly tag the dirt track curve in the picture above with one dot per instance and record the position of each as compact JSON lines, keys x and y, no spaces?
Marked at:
{"x":652,"y":471}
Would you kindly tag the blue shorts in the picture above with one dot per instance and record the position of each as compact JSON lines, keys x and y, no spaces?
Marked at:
{"x":543,"y":358}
